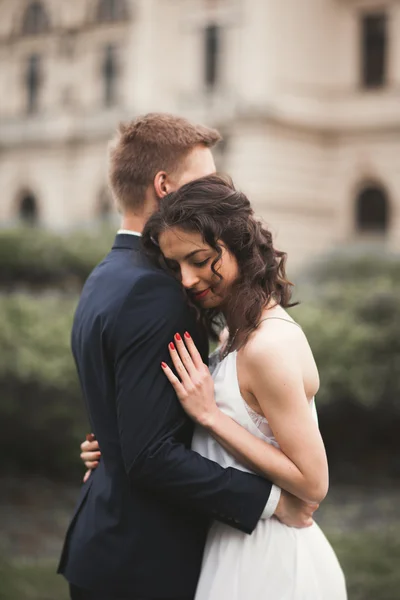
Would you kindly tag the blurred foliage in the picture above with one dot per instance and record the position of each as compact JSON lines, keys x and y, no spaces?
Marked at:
{"x":350,"y":311}
{"x":353,"y":265}
{"x":42,"y":418}
{"x":31,"y":581}
{"x":34,"y":334}
{"x":34,"y":257}
{"x":370,"y":562}
{"x":41,"y":411}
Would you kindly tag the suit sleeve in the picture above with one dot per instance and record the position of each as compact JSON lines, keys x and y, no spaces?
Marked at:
{"x":152,"y":423}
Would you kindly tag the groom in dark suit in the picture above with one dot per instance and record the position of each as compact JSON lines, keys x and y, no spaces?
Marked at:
{"x":141,"y":520}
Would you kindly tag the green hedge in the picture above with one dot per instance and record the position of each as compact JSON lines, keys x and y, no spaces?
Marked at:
{"x":354,"y":331}
{"x":38,"y":257}
{"x":351,"y":313}
{"x":352,"y":322}
{"x":41,"y":411}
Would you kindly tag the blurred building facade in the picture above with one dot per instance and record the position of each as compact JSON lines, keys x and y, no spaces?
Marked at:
{"x":306,"y":94}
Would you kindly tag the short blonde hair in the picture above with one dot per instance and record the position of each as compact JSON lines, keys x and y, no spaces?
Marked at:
{"x":152,"y":143}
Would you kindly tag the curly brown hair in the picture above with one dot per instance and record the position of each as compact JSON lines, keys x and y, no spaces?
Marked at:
{"x":213,"y":207}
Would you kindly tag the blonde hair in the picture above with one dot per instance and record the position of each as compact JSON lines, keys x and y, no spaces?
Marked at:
{"x":152,"y":143}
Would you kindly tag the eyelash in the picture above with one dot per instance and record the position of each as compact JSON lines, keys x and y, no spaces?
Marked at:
{"x":202,"y":263}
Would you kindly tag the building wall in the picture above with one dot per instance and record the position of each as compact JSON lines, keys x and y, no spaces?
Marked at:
{"x":302,"y":137}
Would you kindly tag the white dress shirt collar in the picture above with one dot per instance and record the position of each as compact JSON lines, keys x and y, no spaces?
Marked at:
{"x":128,"y":232}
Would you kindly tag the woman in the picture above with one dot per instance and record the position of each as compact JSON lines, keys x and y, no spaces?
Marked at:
{"x":257,"y":411}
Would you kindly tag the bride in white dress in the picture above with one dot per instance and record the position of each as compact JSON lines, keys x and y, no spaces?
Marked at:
{"x":256,"y":412}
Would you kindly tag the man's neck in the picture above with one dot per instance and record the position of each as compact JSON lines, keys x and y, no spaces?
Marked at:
{"x":133,"y":223}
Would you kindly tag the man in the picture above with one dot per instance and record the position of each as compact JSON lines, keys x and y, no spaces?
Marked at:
{"x":141,"y":521}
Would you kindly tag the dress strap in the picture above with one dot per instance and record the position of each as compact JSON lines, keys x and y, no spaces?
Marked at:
{"x":281,"y":319}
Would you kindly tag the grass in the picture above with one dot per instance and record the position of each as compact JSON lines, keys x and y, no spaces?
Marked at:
{"x":370,"y":561}
{"x":32,"y":581}
{"x":371,"y":564}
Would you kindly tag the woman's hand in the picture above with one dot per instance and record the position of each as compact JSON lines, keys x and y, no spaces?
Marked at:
{"x":194,"y":385}
{"x":90,"y":454}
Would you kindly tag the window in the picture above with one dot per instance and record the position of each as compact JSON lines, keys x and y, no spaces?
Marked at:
{"x":28,"y":211}
{"x":374,"y":50}
{"x":35,"y":20}
{"x":33,"y":82}
{"x":111,"y":10}
{"x":372,"y":210}
{"x":211,"y":53}
{"x":110,"y":76}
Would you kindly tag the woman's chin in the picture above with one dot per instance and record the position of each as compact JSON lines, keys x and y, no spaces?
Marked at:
{"x":211,"y":302}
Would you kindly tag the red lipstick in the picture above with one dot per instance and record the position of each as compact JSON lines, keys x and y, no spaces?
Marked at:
{"x":202,"y":294}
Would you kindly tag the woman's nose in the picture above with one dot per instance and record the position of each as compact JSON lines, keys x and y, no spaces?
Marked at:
{"x":189,"y":278}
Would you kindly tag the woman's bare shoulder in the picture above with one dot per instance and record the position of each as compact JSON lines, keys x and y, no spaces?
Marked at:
{"x":277,"y":347}
{"x":274,"y":334}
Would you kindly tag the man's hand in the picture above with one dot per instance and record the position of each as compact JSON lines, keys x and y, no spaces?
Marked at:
{"x":294,"y":512}
{"x":90,"y":454}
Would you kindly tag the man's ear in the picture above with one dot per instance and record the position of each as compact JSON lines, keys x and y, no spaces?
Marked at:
{"x":160,"y":184}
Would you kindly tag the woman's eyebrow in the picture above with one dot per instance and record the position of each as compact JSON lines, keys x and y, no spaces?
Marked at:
{"x":195,"y":252}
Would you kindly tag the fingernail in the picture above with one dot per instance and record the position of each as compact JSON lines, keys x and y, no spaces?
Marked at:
{"x":164,"y":365}
{"x":187,"y":335}
{"x":98,"y":454}
{"x":89,"y":437}
{"x":178,"y":337}
{"x":172,"y":346}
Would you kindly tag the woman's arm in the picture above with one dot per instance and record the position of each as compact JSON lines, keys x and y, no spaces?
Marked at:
{"x":300,"y":466}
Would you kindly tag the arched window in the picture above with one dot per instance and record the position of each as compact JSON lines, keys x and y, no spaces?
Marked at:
{"x":35,"y":20}
{"x":110,"y":76}
{"x":111,"y":10}
{"x":28,"y":210}
{"x":32,"y":83}
{"x":372,"y":210}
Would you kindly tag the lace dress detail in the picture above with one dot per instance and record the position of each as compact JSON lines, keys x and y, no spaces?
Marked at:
{"x":260,"y":422}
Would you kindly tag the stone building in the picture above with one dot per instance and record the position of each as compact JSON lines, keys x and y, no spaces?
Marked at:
{"x":306,"y":93}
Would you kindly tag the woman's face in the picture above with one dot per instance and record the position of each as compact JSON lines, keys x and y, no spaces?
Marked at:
{"x":188,"y":254}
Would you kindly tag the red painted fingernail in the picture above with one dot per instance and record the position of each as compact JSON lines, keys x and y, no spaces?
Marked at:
{"x":164,"y":365}
{"x":171,"y":346}
{"x":187,"y":335}
{"x":178,"y":337}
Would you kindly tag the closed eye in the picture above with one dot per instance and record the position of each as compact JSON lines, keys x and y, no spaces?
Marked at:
{"x":202,"y":263}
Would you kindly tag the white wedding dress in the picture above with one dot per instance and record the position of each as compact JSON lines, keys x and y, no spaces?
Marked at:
{"x":275,"y":562}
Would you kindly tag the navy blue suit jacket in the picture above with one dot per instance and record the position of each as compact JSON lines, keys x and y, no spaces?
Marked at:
{"x":141,"y":520}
